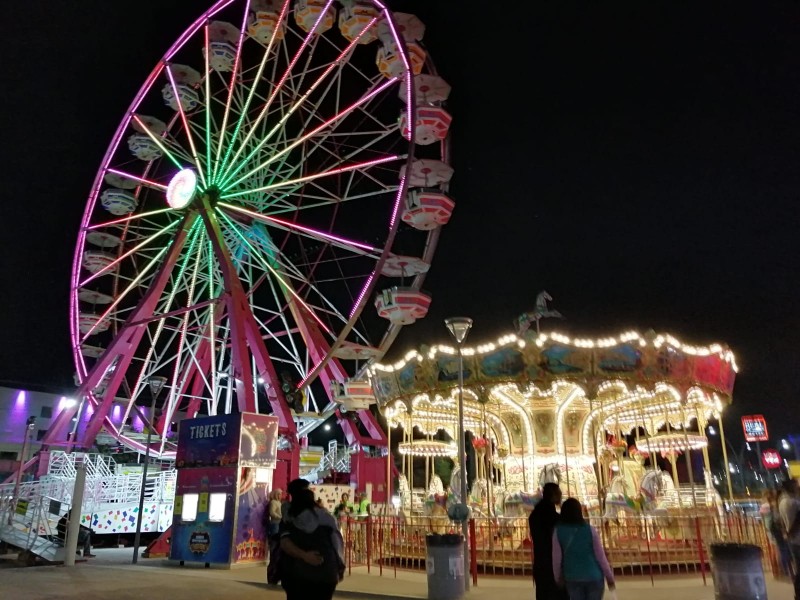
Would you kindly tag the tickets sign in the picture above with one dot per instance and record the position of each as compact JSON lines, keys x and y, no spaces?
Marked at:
{"x":755,"y":428}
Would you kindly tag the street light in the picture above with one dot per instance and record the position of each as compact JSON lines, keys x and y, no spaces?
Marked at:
{"x":459,"y":328}
{"x":30,"y":424}
{"x":156,"y":384}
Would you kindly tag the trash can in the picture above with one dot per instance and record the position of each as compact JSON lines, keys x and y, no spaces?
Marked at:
{"x":738,"y":572}
{"x":444,"y":563}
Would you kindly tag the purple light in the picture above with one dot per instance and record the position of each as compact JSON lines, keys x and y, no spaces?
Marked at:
{"x":115,"y":413}
{"x":21,"y":399}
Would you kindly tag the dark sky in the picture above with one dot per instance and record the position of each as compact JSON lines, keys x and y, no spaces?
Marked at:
{"x":639,"y":161}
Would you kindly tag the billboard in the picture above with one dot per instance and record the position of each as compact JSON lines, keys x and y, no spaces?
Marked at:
{"x":755,"y":428}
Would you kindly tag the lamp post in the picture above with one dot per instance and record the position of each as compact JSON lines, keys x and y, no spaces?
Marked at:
{"x":30,"y":424}
{"x":156,"y":383}
{"x":459,"y":328}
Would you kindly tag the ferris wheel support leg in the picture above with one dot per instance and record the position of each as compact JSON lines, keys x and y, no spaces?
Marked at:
{"x":119,"y":353}
{"x":244,"y":333}
{"x":331,"y":372}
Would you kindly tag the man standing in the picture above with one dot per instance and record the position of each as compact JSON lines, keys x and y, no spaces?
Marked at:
{"x":541,"y":523}
{"x":789,"y":509}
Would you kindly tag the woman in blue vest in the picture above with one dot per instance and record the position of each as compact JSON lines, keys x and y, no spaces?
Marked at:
{"x":579,"y":561}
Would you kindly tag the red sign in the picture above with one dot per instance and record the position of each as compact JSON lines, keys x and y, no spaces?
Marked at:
{"x":755,"y":428}
{"x":771,"y":459}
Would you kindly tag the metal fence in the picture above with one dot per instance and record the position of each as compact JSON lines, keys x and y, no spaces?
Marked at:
{"x":639,"y":545}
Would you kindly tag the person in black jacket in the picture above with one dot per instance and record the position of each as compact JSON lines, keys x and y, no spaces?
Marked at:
{"x":84,"y":534}
{"x":542,"y":522}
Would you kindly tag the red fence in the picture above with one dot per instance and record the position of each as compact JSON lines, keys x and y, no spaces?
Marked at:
{"x":638,"y":545}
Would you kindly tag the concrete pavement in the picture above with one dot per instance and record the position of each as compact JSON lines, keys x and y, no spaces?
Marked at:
{"x":111,"y":576}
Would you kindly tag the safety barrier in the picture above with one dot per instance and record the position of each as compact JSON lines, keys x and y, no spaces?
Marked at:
{"x":637,"y":545}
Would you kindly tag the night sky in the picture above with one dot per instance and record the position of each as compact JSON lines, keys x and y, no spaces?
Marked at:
{"x":639,"y":161}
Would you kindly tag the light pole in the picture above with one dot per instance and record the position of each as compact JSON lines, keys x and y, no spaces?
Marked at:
{"x":459,"y":328}
{"x":156,"y":383}
{"x":29,"y":426}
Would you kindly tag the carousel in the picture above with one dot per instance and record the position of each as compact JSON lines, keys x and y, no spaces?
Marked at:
{"x":618,"y":422}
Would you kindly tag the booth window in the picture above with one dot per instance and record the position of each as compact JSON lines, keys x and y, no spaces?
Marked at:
{"x":189,"y":512}
{"x":216,"y":508}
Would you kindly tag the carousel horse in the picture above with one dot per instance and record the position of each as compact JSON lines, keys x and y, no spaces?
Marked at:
{"x":479,"y":497}
{"x":658,"y":490}
{"x":620,"y":499}
{"x":550,"y":473}
{"x":540,"y":311}
{"x":455,"y":485}
{"x":404,"y":491}
{"x":435,"y":486}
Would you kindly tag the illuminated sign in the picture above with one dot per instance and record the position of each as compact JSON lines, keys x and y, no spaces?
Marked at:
{"x":755,"y":428}
{"x":771,"y":459}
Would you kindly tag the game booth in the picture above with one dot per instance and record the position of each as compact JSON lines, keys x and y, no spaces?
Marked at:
{"x":225,"y":465}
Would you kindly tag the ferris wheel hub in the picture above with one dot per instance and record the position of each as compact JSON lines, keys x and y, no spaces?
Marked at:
{"x":182,"y":188}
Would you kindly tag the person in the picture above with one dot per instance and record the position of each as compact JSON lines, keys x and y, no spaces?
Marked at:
{"x":295,"y":485}
{"x":789,"y":507}
{"x":312,"y":550}
{"x":84,"y":535}
{"x":273,"y":568}
{"x":362,"y":507}
{"x":541,"y":523}
{"x":344,"y":508}
{"x":579,"y":560}
{"x":272,"y":523}
{"x":775,"y":531}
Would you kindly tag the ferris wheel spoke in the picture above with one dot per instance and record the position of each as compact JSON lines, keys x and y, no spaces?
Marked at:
{"x":131,"y":218}
{"x":349,"y":245}
{"x":306,"y":179}
{"x":132,"y":251}
{"x":157,"y":141}
{"x":277,"y":87}
{"x":187,"y":129}
{"x":327,"y":124}
{"x":295,"y":105}
{"x":250,"y":95}
{"x":230,"y":90}
{"x":277,"y":274}
{"x":146,"y":182}
{"x":133,"y":285}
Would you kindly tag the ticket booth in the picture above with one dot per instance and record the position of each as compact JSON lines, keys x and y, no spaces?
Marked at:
{"x":225,"y":465}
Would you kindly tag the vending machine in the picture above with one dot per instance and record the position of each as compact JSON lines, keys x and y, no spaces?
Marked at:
{"x":225,"y":465}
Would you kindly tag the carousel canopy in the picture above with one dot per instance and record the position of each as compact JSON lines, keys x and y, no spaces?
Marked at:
{"x":551,"y":394}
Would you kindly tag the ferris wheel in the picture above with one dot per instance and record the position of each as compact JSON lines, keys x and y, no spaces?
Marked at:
{"x":262,"y":221}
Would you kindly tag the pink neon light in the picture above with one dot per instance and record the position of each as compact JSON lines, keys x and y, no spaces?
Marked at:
{"x":126,"y":219}
{"x":224,"y":126}
{"x":397,"y":200}
{"x":347,"y":50}
{"x":363,"y":293}
{"x":193,"y":29}
{"x":185,"y":122}
{"x":339,"y":171}
{"x":147,"y":182}
{"x":278,"y":86}
{"x":290,"y":225}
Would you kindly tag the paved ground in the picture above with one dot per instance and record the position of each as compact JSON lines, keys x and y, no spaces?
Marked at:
{"x":110,"y":576}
